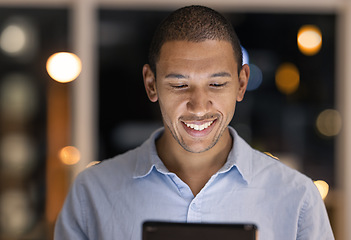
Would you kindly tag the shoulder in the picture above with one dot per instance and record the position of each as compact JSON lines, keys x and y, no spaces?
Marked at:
{"x":110,"y":170}
{"x":119,"y":170}
{"x":277,"y":174}
{"x":287,"y":185}
{"x":264,"y":170}
{"x":292,"y":191}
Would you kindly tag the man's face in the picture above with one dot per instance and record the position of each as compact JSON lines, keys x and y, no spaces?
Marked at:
{"x":197,"y":87}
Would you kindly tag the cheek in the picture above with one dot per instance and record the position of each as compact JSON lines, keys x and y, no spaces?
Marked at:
{"x":225,"y":101}
{"x":232,"y":105}
{"x":226,"y":106}
{"x":171,"y":107}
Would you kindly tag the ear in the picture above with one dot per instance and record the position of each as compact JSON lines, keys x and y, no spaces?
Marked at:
{"x":150,"y":83}
{"x":243,"y":80}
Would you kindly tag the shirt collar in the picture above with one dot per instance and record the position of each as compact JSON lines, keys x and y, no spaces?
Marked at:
{"x":239,"y":157}
{"x":147,"y":157}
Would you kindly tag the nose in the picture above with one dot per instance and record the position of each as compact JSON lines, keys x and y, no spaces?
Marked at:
{"x":199,"y":102}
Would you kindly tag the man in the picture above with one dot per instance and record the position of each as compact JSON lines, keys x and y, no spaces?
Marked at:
{"x":195,"y":169}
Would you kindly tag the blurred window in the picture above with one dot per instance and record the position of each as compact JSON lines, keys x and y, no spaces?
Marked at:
{"x":28,"y":36}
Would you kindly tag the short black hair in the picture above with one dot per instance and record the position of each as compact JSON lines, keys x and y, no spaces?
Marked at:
{"x":194,"y":24}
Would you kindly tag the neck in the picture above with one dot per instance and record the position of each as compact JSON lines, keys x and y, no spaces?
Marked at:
{"x":195,"y":169}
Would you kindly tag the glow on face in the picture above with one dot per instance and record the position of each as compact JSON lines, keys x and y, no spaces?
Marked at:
{"x":197,"y":86}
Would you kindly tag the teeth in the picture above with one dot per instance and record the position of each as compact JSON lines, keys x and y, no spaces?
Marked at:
{"x":199,"y":127}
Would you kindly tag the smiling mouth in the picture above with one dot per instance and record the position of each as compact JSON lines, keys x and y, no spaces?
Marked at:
{"x":199,"y":127}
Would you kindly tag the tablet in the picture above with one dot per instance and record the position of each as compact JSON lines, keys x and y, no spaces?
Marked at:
{"x":198,"y":231}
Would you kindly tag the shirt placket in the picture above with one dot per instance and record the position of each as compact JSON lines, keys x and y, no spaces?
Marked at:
{"x":194,"y":207}
{"x":194,"y":210}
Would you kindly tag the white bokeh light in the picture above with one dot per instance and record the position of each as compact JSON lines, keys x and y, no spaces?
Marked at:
{"x":309,"y":40}
{"x":64,"y":67}
{"x":18,"y":38}
{"x":13,"y":39}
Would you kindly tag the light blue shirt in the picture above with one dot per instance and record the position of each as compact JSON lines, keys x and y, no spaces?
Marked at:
{"x":111,"y":200}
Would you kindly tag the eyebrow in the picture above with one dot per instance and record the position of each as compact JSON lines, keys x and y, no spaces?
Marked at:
{"x":214,"y":75}
{"x":221,"y":74}
{"x":175,"y":75}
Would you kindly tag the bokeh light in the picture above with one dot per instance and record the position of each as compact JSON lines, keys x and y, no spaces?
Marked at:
{"x":64,"y":67}
{"x":287,"y":78}
{"x":18,"y":97}
{"x":19,"y":38}
{"x":69,"y":155}
{"x":16,"y":214}
{"x":309,"y":39}
{"x":255,"y":79}
{"x":17,"y":153}
{"x":13,"y":39}
{"x":329,"y":122}
{"x":323,"y":188}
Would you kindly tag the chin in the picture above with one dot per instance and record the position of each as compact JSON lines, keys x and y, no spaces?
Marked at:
{"x":197,"y":149}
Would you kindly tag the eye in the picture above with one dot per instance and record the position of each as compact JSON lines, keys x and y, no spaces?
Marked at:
{"x":180,"y":86}
{"x":218,"y":85}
